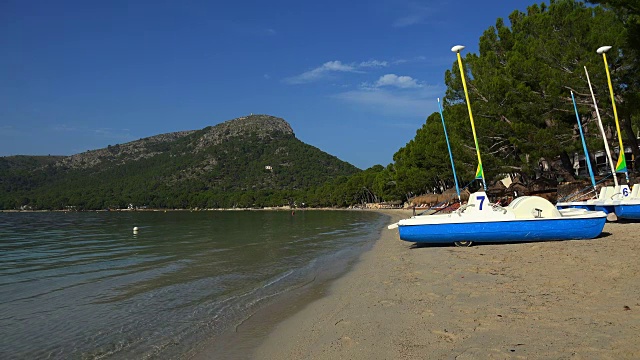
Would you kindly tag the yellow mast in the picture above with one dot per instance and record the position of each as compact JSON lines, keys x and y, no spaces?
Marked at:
{"x":621,"y":166}
{"x":480,"y":171}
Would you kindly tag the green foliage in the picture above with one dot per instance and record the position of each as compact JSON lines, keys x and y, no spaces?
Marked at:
{"x":519,"y":87}
{"x":523,"y":76}
{"x":628,"y":11}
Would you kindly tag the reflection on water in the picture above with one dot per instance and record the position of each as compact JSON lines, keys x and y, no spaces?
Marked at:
{"x":84,"y":285}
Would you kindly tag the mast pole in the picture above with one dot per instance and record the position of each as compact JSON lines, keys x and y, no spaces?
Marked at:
{"x":621,"y":166}
{"x":604,"y":136}
{"x":453,"y":167}
{"x":584,"y":144}
{"x":480,"y":171}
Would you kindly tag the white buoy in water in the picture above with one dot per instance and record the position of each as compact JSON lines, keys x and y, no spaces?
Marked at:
{"x":135,"y":229}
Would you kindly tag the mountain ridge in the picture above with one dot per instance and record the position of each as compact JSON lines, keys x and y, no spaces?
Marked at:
{"x":212,"y":135}
{"x":256,"y":158}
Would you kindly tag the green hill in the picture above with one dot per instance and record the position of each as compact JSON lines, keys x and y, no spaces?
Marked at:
{"x":248,"y":161}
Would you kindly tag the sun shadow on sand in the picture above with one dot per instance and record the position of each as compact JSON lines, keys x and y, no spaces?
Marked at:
{"x":428,"y":245}
{"x":626,"y":221}
{"x":603,"y":235}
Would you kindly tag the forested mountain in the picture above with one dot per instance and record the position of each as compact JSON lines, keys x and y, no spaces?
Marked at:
{"x":249,"y":161}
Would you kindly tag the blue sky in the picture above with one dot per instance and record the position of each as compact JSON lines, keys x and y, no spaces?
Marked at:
{"x":353,"y":78}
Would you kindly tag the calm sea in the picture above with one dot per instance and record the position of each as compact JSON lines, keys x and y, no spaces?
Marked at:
{"x":83,"y":285}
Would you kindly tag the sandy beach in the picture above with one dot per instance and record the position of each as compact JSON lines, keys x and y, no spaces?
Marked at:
{"x":546,"y":300}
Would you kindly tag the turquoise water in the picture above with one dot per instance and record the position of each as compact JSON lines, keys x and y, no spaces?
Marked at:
{"x":83,"y":285}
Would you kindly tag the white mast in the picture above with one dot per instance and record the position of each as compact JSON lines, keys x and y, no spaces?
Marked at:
{"x":604,"y":136}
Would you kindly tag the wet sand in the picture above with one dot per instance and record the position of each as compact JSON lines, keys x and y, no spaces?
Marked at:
{"x":241,"y":341}
{"x":560,"y":300}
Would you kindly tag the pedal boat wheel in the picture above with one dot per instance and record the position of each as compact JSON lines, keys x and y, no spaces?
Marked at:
{"x":463,"y":243}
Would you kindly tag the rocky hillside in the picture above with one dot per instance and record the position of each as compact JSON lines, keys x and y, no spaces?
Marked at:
{"x":255,"y":157}
{"x":263,"y":126}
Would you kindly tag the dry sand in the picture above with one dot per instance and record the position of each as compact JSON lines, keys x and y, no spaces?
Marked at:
{"x":546,"y":300}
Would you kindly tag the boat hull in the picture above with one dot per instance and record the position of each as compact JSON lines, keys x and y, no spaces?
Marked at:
{"x":628,"y":211}
{"x":505,"y":231}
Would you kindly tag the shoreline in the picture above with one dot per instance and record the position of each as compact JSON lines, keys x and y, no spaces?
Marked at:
{"x":575,"y":299}
{"x":242,"y":341}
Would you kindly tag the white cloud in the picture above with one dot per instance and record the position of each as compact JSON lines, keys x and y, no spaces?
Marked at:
{"x":373,"y":64}
{"x":403,"y":82}
{"x":420,"y":58}
{"x":412,"y":102}
{"x":331,"y":67}
{"x":320,"y":72}
{"x":336,"y":66}
{"x":392,"y":80}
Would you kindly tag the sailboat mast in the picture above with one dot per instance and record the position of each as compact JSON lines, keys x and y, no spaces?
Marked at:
{"x":584,"y":144}
{"x":453,"y":167}
{"x":604,"y":136}
{"x":621,"y":166}
{"x":480,"y":170}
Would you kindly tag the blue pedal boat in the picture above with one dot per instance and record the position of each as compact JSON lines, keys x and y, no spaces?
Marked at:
{"x":629,"y":207}
{"x":527,"y":218}
{"x":620,"y":200}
